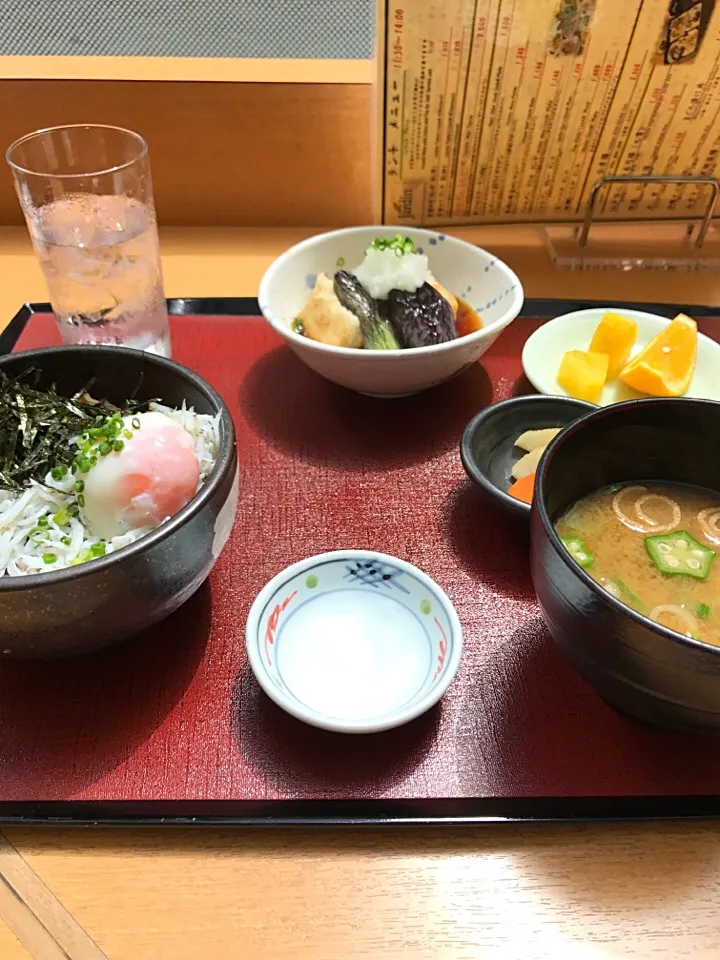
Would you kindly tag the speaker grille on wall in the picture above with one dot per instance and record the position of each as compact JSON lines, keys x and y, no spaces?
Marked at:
{"x":322,"y":29}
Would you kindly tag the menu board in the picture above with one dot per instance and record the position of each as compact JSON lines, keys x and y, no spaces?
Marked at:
{"x":511,"y":110}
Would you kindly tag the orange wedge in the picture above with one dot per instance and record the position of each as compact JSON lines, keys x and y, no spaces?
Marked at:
{"x":664,"y":368}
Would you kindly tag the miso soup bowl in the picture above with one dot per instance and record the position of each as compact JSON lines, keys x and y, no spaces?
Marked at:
{"x":636,"y":665}
{"x":82,"y":608}
{"x":470,"y":272}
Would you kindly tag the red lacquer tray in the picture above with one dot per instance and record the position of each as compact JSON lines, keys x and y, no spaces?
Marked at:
{"x":172,"y":727}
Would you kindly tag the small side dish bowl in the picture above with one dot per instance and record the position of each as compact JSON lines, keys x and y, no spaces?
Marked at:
{"x":353,"y":641}
{"x":85,"y":607}
{"x":544,"y":349}
{"x":487,"y":284}
{"x":637,"y":665}
{"x":488,"y":450}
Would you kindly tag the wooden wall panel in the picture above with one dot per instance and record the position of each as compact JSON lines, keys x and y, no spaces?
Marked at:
{"x":257,"y":154}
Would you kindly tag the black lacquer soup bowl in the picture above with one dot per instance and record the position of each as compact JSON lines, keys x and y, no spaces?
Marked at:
{"x":637,"y":665}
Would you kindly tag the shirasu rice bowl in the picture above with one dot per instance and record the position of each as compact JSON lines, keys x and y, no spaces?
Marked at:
{"x":46,"y":526}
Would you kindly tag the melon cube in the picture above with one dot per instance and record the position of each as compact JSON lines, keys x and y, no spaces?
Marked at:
{"x":583,"y":374}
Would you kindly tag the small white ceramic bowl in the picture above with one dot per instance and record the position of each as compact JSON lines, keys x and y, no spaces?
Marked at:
{"x":485,"y":282}
{"x":544,"y":350}
{"x":353,"y":641}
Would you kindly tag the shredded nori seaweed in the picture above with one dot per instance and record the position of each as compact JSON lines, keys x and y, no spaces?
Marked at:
{"x":37,"y":427}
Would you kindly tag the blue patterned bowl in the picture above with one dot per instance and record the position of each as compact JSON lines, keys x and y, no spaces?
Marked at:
{"x":480,"y":278}
{"x":353,"y":641}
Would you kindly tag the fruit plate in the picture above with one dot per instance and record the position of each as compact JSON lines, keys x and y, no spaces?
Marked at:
{"x":172,"y":727}
{"x":544,"y":350}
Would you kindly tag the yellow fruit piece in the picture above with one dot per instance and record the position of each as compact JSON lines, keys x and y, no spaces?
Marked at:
{"x":614,"y":336}
{"x":664,"y":368}
{"x":583,"y":374}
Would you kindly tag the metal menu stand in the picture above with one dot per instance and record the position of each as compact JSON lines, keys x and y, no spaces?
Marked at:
{"x":679,"y":244}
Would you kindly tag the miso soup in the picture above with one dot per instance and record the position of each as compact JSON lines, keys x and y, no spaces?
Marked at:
{"x":654,"y":547}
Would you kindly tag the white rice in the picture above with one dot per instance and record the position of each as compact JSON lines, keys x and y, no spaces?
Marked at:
{"x":383,"y":270}
{"x":21,"y":554}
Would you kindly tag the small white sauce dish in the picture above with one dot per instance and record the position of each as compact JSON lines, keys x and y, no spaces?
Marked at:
{"x":544,"y":350}
{"x":353,"y":641}
{"x":487,"y":284}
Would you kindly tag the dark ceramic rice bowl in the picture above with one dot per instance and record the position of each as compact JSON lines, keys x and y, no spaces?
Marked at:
{"x":92,"y":605}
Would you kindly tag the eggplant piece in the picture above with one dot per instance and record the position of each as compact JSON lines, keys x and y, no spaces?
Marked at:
{"x":421,"y":319}
{"x":377,"y":331}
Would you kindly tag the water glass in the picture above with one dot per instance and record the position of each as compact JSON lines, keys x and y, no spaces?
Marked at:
{"x":86,"y":194}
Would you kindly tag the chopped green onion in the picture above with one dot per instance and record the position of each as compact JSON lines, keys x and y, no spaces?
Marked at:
{"x":79,"y":485}
{"x":81,"y":500}
{"x":136,"y":423}
{"x":297,"y":326}
{"x":97,"y":550}
{"x":61,"y":517}
{"x":629,"y":597}
{"x":49,"y":558}
{"x":399,"y":244}
{"x":127,"y":434}
{"x":42,"y":521}
{"x":118,"y":446}
{"x":105,"y":449}
{"x":340,"y":263}
{"x":57,"y":473}
{"x":67,"y":541}
{"x":93,"y":460}
{"x":703,"y":610}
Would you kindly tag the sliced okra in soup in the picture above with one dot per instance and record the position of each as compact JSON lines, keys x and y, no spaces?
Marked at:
{"x":679,"y":553}
{"x":578,"y":551}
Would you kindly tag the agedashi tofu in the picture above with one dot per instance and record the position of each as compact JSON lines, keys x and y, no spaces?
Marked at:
{"x":615,"y":336}
{"x":583,"y":374}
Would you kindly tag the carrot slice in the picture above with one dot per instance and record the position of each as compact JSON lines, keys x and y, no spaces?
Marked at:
{"x":523,"y":489}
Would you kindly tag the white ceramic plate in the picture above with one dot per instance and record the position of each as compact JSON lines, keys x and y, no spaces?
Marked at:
{"x":353,"y":641}
{"x":544,"y":350}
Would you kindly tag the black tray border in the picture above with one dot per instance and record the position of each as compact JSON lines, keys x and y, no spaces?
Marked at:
{"x":348,"y":813}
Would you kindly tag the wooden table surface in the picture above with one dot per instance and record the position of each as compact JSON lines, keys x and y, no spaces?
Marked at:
{"x":579,"y":892}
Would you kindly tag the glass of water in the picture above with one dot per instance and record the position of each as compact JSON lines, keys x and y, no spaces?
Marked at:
{"x":87,"y":197}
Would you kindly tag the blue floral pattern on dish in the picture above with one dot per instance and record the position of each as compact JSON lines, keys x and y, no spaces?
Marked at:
{"x":374,"y":573}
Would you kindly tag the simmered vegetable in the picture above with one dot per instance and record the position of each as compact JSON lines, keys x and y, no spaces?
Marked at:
{"x":578,"y":551}
{"x":680,"y":553}
{"x":421,"y":319}
{"x":377,"y":331}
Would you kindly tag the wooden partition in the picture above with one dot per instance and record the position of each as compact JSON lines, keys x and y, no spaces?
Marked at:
{"x":222,"y":153}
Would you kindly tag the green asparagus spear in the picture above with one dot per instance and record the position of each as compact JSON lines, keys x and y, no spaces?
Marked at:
{"x":377,"y":332}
